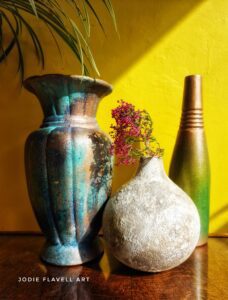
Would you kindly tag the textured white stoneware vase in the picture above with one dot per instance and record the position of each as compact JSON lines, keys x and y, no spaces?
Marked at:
{"x":151,"y":224}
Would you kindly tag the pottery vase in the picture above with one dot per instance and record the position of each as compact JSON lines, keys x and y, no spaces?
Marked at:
{"x":68,"y":167}
{"x":150,"y":224}
{"x":189,"y":167}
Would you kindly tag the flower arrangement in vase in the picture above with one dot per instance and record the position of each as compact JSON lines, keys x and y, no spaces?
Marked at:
{"x":132,"y":135}
{"x":150,"y":224}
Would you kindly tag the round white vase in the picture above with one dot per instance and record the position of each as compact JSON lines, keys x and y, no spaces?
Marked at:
{"x":151,"y":224}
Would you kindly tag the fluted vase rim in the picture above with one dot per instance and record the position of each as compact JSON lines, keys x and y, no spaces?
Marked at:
{"x":84,"y":83}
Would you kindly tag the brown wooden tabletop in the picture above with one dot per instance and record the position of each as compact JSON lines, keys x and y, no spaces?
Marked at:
{"x":203,"y":276}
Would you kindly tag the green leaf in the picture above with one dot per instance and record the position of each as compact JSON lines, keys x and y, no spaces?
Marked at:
{"x":7,"y":50}
{"x":32,"y":3}
{"x":76,"y":30}
{"x":86,"y":19}
{"x":95,"y":14}
{"x":20,"y":55}
{"x":111,"y":11}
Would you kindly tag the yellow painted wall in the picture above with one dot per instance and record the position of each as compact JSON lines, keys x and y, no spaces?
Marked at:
{"x":160,"y":43}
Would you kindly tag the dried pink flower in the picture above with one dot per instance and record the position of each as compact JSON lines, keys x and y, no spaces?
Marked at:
{"x":133,"y":128}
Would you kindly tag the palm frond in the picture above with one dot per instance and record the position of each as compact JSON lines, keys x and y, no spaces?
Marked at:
{"x":111,"y":11}
{"x":33,"y":5}
{"x":14,"y":14}
{"x":14,"y":33}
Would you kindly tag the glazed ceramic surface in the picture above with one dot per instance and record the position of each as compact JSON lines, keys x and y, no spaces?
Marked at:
{"x":151,"y":224}
{"x":68,"y":167}
{"x":190,"y":167}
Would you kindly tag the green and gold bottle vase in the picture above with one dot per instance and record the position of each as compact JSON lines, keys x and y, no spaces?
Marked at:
{"x":190,"y":163}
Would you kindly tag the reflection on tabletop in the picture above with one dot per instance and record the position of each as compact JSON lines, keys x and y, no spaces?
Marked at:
{"x":108,"y":277}
{"x":203,"y":276}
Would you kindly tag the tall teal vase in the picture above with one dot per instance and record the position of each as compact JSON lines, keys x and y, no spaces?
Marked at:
{"x":68,"y":167}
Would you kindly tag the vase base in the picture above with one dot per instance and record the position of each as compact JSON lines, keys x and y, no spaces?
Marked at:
{"x":202,"y":241}
{"x":66,"y":255}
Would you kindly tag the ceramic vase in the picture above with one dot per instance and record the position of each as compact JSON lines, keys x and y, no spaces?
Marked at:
{"x":150,"y":224}
{"x":189,"y":167}
{"x":68,"y":167}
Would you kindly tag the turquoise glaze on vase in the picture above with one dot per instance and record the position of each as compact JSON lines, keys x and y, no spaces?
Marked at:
{"x":68,"y":167}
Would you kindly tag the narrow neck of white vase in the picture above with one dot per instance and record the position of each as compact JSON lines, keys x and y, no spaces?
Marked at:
{"x":151,"y":167}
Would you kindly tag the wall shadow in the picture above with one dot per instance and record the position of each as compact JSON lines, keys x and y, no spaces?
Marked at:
{"x":141,"y":25}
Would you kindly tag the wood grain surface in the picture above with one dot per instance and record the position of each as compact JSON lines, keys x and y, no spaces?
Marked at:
{"x":203,"y":276}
